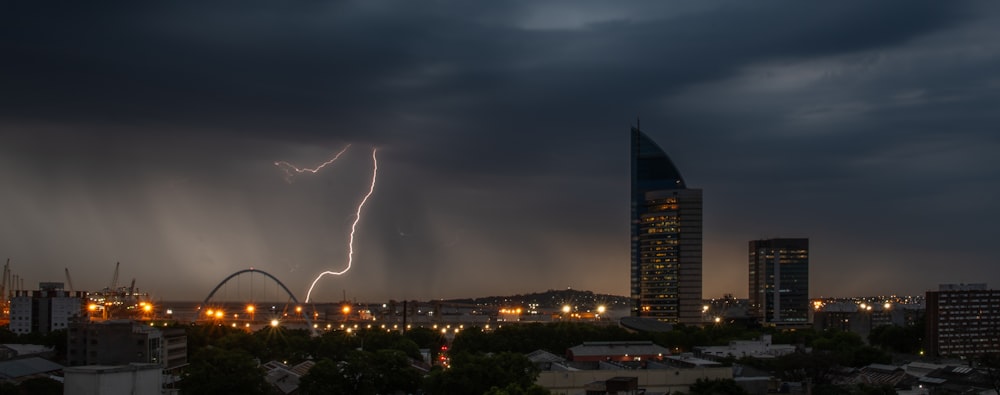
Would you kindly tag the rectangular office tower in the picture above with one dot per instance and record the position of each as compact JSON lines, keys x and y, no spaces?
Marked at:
{"x":779,"y":281}
{"x":666,"y":237}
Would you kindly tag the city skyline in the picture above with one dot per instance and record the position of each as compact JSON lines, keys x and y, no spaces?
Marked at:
{"x":148,"y":135}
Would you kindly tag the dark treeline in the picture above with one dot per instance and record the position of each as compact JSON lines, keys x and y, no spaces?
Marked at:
{"x":227,"y":360}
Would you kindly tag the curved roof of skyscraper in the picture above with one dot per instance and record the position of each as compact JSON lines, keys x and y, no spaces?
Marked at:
{"x":653,"y":168}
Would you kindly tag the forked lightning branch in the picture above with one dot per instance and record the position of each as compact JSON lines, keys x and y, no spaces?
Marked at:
{"x":292,"y":170}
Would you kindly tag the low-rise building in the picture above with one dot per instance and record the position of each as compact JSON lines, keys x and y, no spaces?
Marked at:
{"x":284,"y":378}
{"x":606,"y":376}
{"x":650,"y":376}
{"x":760,"y":348}
{"x":18,"y":370}
{"x":18,"y":351}
{"x":121,"y":342}
{"x":622,"y":351}
{"x":861,"y":318}
{"x":132,"y":379}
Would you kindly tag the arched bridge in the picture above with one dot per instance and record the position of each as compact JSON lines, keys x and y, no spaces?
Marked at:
{"x":268,"y":275}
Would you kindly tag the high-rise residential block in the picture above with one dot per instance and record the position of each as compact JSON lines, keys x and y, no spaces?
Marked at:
{"x":48,"y":309}
{"x":963,"y":320}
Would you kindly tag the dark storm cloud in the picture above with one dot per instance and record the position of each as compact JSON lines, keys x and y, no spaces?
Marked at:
{"x":149,"y":131}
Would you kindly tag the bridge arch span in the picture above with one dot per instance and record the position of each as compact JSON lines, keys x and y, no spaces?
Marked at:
{"x":252,"y":270}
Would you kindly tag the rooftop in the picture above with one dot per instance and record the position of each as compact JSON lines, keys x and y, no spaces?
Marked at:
{"x":18,"y":368}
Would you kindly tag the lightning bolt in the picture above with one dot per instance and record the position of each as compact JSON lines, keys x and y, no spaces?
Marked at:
{"x":291,"y":170}
{"x":354,"y":226}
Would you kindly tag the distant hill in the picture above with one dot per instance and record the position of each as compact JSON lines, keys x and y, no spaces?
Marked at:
{"x":551,"y":299}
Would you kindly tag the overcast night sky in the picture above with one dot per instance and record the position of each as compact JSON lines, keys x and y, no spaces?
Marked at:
{"x":146,"y":133}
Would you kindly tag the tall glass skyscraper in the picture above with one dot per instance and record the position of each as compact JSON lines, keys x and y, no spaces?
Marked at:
{"x":779,"y":280}
{"x":666,"y":237}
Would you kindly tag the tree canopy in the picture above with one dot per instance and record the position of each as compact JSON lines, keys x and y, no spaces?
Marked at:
{"x":215,"y":370}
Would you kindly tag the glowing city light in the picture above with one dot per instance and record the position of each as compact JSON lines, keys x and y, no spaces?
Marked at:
{"x":291,"y":170}
{"x":354,"y":225}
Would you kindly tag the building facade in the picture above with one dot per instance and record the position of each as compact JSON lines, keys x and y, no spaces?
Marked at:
{"x":779,"y":281}
{"x":666,"y":237}
{"x":121,"y":342}
{"x":963,"y":320}
{"x":48,"y":309}
{"x":135,"y":379}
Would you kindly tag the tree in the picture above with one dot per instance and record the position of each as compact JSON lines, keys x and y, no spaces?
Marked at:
{"x":989,"y":364}
{"x":717,"y":387}
{"x":214,"y":370}
{"x":514,"y":389}
{"x":204,"y":335}
{"x":900,"y":339}
{"x":375,"y":340}
{"x":334,"y":345}
{"x":477,"y":373}
{"x":40,"y":386}
{"x":328,"y":377}
{"x":7,"y":387}
{"x":282,"y":343}
{"x":394,"y":372}
{"x":362,"y":373}
{"x":847,"y":349}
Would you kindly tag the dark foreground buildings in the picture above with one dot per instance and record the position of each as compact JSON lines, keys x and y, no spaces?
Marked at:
{"x":666,"y":237}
